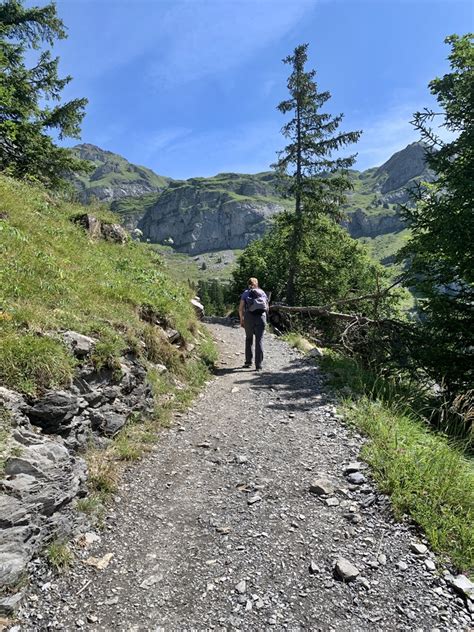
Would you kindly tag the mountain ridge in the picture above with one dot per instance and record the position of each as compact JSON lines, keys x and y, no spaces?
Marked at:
{"x":228,"y":210}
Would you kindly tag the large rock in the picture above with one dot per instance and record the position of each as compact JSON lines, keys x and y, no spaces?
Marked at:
{"x":345,"y":570}
{"x":39,"y":481}
{"x":55,"y":412}
{"x":79,"y":344}
{"x":107,"y":422}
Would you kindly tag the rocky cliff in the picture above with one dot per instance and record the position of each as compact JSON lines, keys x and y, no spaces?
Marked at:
{"x":203,"y":214}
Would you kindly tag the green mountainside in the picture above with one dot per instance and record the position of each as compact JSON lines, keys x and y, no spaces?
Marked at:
{"x":114,"y":177}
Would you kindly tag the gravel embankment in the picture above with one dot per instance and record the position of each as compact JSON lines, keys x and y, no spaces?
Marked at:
{"x":217,"y":527}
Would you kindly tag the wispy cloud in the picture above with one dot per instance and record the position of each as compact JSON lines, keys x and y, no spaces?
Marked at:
{"x":385,"y":135}
{"x":214,"y":36}
{"x":177,"y":40}
{"x":247,"y":148}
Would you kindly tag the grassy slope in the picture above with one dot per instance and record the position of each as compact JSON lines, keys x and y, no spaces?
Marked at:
{"x":54,"y":278}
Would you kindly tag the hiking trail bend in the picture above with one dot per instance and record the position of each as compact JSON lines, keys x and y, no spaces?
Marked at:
{"x":216,"y":528}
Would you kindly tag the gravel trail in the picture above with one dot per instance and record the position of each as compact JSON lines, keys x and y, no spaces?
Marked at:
{"x":217,"y":528}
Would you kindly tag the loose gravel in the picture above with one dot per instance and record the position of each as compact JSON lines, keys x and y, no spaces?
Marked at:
{"x":217,"y":528}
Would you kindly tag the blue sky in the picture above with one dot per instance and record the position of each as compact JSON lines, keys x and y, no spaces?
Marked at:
{"x":190,"y":87}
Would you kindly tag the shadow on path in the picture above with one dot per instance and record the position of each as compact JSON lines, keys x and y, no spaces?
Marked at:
{"x":297,"y":386}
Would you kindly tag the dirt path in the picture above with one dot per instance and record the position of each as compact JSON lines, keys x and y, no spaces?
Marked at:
{"x":217,"y":529}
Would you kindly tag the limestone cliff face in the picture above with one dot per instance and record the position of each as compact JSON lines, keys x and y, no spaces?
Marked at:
{"x":196,"y":217}
{"x":402,"y":167}
{"x":230,"y":210}
{"x":360,"y":224}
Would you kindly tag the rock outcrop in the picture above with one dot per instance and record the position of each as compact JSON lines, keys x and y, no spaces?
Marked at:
{"x":44,"y":472}
{"x":401,"y":169}
{"x":361,"y":224}
{"x":98,"y":229}
{"x":200,"y":215}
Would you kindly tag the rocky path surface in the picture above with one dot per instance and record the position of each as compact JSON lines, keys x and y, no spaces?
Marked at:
{"x":218,"y":529}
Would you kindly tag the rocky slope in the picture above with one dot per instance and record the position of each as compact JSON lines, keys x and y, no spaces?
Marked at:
{"x":113,"y":177}
{"x":95,"y":341}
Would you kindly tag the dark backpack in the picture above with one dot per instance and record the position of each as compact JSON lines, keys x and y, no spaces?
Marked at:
{"x":257,"y":301}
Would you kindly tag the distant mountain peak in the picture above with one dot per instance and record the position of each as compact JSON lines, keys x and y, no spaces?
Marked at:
{"x":403,"y":166}
{"x":114,"y":177}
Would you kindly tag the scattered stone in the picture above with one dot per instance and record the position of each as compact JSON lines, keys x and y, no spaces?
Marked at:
{"x":382,"y":559}
{"x":419,"y":549}
{"x":345,"y":570}
{"x":322,"y":486}
{"x":251,"y":500}
{"x":241,"y":587}
{"x":402,"y":566}
{"x":151,"y":581}
{"x":241,"y":459}
{"x":235,"y":389}
{"x":204,"y":444}
{"x":332,"y":502}
{"x":430,"y":565}
{"x":9,"y":603}
{"x":364,"y":582}
{"x":314,"y":568}
{"x":352,"y":467}
{"x":92,"y":618}
{"x":462,"y":585}
{"x":99,"y":562}
{"x":356,"y":478}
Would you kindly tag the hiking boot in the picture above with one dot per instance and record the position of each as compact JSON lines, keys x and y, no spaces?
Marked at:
{"x":247,"y":365}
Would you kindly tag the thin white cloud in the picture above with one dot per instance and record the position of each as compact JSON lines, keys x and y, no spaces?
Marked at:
{"x":389,"y":133}
{"x":176,"y":40}
{"x":204,"y":38}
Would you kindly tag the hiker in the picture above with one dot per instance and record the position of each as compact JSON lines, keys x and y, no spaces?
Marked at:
{"x":253,"y":310}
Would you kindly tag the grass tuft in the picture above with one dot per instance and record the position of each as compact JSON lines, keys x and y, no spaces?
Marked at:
{"x":59,"y":555}
{"x":32,"y":364}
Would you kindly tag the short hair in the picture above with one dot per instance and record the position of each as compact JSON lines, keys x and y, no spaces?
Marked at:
{"x":253,"y":281}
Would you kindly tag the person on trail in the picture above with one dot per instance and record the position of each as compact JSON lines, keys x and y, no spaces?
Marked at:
{"x":253,"y":310}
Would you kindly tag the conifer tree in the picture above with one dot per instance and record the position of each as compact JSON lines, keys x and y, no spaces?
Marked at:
{"x":440,"y":256}
{"x":26,"y":147}
{"x":317,"y":181}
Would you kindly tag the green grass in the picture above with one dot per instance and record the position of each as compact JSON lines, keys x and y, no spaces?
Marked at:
{"x":59,"y":555}
{"x":298,"y":341}
{"x":31,"y":363}
{"x":429,"y":477}
{"x":53,"y":277}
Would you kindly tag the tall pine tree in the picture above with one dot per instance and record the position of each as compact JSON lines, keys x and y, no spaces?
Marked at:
{"x":317,"y":181}
{"x":26,"y":147}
